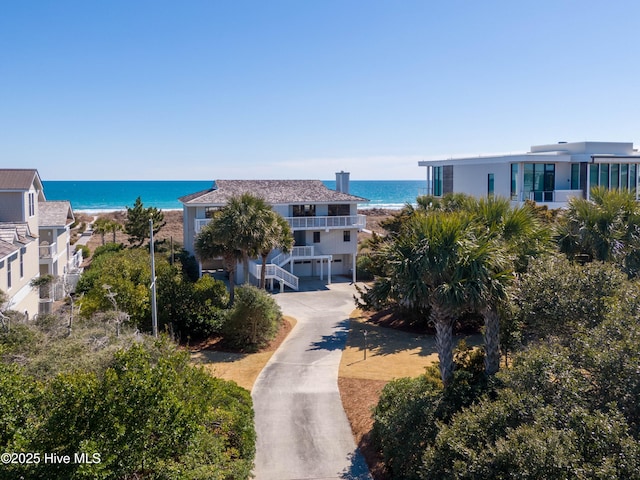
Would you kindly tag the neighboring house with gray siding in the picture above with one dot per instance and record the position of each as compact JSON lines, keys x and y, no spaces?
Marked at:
{"x":325,"y":224}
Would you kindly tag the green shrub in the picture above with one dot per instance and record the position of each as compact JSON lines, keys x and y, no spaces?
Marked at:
{"x":107,"y":247}
{"x":253,"y":320}
{"x":150,"y":414}
{"x":86,"y":251}
{"x":364,"y":268}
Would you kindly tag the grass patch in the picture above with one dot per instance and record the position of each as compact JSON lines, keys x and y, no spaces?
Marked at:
{"x":242,"y":368}
{"x":391,"y":353}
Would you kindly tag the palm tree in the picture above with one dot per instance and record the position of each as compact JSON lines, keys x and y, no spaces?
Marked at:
{"x":274,"y":233}
{"x":603,"y":228}
{"x":113,"y":226}
{"x":249,"y":215}
{"x":218,"y":239}
{"x":523,"y":237}
{"x":101,"y":227}
{"x":445,"y":263}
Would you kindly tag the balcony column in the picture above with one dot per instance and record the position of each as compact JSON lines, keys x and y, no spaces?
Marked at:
{"x":329,"y":271}
{"x":353,"y":256}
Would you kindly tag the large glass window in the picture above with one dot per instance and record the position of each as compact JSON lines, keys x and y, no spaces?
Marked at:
{"x":615,"y":176}
{"x":593,"y":175}
{"x":490,"y":184}
{"x":604,"y":175}
{"x":437,"y":181}
{"x":339,"y":210}
{"x":539,"y":178}
{"x":514,"y":181}
{"x":633,"y":176}
{"x":624,"y":175}
{"x":304,"y":210}
{"x":575,"y":176}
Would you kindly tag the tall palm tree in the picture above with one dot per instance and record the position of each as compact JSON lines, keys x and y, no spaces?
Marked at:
{"x":274,"y":234}
{"x":218,"y":239}
{"x":250,"y":214}
{"x":101,"y":227}
{"x":523,"y":237}
{"x":445,"y":262}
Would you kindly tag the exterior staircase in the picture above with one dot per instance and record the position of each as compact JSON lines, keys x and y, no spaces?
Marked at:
{"x":274,"y":272}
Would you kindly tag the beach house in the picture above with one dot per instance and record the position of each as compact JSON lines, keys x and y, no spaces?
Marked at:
{"x":325,"y":224}
{"x":547,"y":174}
{"x":34,"y":240}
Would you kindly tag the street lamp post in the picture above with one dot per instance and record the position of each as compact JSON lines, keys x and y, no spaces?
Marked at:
{"x":154,"y":308}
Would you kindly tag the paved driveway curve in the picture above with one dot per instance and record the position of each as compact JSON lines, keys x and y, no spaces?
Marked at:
{"x":303,"y":432}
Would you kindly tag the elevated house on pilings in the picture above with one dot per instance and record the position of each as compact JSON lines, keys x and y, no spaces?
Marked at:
{"x":325,"y":225}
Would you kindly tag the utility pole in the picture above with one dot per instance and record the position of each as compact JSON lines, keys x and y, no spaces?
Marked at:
{"x":154,"y":308}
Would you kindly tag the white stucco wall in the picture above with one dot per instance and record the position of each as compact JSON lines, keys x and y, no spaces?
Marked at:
{"x":472,"y":179}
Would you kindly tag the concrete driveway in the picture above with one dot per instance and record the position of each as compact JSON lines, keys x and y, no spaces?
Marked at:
{"x":303,"y":432}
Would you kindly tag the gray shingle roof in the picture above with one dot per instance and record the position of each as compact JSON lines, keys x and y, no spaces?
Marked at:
{"x":18,"y":178}
{"x":55,"y":214}
{"x":13,"y":236}
{"x":272,"y":191}
{"x":7,"y":249}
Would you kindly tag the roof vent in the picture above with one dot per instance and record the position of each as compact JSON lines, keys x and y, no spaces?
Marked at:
{"x":562,"y":142}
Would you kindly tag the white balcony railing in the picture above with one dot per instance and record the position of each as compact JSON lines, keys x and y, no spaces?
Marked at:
{"x":48,"y":251}
{"x":310,"y":223}
{"x":275,"y":272}
{"x":554,"y":195}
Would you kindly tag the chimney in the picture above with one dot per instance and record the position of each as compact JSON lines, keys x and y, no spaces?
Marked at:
{"x":342,"y":182}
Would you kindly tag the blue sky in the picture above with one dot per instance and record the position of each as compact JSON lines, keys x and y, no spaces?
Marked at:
{"x":193,"y":89}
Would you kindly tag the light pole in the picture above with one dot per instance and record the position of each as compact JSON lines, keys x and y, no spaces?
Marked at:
{"x":154,"y":308}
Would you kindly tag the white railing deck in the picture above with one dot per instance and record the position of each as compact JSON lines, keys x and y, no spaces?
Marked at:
{"x":307,"y":223}
{"x":296,"y":252}
{"x":275,"y":272}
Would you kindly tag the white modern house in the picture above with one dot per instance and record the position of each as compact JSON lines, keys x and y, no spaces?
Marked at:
{"x":34,"y":240}
{"x":325,"y":224}
{"x":548,"y":174}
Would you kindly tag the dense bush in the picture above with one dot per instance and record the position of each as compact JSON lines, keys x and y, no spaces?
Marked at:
{"x":557,"y":297}
{"x":108,"y":247}
{"x":410,"y":412}
{"x":192,"y":310}
{"x":150,"y":414}
{"x":86,"y":252}
{"x":253,"y":320}
{"x":567,"y":408}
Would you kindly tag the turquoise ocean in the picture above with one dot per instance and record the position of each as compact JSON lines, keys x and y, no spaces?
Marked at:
{"x":95,"y":196}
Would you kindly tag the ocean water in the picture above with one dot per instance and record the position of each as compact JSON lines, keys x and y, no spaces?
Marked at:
{"x":95,"y":195}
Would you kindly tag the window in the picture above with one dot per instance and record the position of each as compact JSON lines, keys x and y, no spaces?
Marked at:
{"x":604,"y":175}
{"x":32,"y":204}
{"x":624,"y":176}
{"x":304,"y":210}
{"x":8,"y":272}
{"x":539,"y":181}
{"x":514,"y":181}
{"x":615,"y":176}
{"x":341,"y":210}
{"x":210,"y":211}
{"x":633,"y":177}
{"x":316,"y":237}
{"x":437,"y":181}
{"x":575,"y":176}
{"x":346,"y":235}
{"x":490,"y":184}
{"x":593,"y":175}
{"x":22,"y":252}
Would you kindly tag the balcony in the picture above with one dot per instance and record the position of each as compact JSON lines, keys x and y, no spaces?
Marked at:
{"x":555,"y":196}
{"x":48,"y":251}
{"x":311,"y":223}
